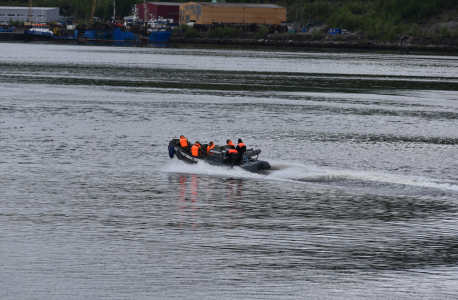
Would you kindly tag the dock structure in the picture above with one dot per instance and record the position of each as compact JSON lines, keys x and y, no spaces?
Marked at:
{"x":404,"y":44}
{"x":207,"y":13}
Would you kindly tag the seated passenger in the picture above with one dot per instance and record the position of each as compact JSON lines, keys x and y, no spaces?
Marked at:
{"x":230,"y":144}
{"x":231,"y":156}
{"x":209,"y":147}
{"x":196,"y":150}
{"x":184,"y":143}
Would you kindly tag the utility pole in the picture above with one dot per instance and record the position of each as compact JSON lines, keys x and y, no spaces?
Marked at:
{"x":91,"y":18}
{"x":145,"y":15}
{"x":29,"y":14}
{"x":145,"y":11}
{"x":297,"y":11}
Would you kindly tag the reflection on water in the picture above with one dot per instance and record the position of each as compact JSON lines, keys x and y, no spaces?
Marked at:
{"x":360,"y":202}
{"x":197,"y":196}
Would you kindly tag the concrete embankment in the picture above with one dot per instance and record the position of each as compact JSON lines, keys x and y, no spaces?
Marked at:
{"x":12,"y":36}
{"x":317,"y":44}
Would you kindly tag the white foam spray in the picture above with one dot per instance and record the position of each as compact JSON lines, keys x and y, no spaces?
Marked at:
{"x":297,"y":172}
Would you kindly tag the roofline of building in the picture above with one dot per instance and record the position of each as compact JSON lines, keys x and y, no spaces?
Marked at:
{"x":26,"y":7}
{"x":237,"y":5}
{"x":165,"y":3}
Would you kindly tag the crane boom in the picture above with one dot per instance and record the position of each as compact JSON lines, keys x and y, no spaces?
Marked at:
{"x":29,"y":14}
{"x":91,"y":19}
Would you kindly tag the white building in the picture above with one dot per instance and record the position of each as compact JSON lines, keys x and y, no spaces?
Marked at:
{"x":39,"y":14}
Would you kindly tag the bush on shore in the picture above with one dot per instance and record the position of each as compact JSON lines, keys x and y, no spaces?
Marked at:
{"x":455,"y":34}
{"x":186,"y":31}
{"x":445,"y":33}
{"x":226,"y":32}
{"x":414,"y":29}
{"x":263,"y":31}
{"x":317,"y":34}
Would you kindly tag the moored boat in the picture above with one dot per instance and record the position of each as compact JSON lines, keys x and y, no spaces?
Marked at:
{"x":117,"y":35}
{"x":40,"y":32}
{"x":158,"y":30}
{"x":159,"y":36}
{"x":111,"y":35}
{"x":7,"y":30}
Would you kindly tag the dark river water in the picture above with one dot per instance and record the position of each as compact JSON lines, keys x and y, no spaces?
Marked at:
{"x":361,"y":201}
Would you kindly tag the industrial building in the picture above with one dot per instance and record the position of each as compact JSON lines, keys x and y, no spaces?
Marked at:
{"x":155,"y":10}
{"x":207,"y":13}
{"x":39,"y":14}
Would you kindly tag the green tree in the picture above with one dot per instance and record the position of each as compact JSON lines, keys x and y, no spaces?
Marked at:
{"x":455,"y":34}
{"x":445,"y":33}
{"x":392,"y":35}
{"x":414,"y":29}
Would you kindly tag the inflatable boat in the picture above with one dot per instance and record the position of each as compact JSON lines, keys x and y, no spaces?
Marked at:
{"x":218,"y":157}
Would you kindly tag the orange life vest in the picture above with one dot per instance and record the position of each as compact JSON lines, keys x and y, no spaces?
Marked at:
{"x":232,"y":151}
{"x":209,"y":148}
{"x":183,"y":142}
{"x":231,"y":144}
{"x":240,"y":145}
{"x":195,"y":150}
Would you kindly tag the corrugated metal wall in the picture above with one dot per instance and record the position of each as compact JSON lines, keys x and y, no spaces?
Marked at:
{"x":164,"y":11}
{"x":48,"y":14}
{"x":207,"y":14}
{"x":168,"y":12}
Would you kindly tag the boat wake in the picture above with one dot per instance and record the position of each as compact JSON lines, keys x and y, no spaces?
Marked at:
{"x":362,"y":181}
{"x":176,"y":166}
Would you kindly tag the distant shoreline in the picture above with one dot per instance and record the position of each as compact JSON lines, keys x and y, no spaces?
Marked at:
{"x":367,"y":45}
{"x":349,"y":44}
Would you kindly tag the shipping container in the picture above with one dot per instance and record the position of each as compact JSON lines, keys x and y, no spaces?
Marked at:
{"x":335,"y":31}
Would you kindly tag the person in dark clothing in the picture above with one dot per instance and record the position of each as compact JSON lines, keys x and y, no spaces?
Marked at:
{"x":241,"y":149}
{"x":231,"y":156}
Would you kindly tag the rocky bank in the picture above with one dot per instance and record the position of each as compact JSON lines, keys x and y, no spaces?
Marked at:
{"x":426,"y":44}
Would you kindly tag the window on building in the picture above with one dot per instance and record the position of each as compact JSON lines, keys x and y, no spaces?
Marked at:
{"x":20,"y":15}
{"x":11,"y":15}
{"x":2,"y":15}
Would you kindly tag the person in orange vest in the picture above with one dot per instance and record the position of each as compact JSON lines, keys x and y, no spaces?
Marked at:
{"x":209,"y":147}
{"x":230,"y":144}
{"x":184,"y":143}
{"x":241,"y":149}
{"x":231,"y":156}
{"x":196,"y":150}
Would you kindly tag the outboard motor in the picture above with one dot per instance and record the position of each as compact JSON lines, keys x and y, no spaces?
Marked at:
{"x":172,"y":144}
{"x":264,"y":166}
{"x":171,"y":151}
